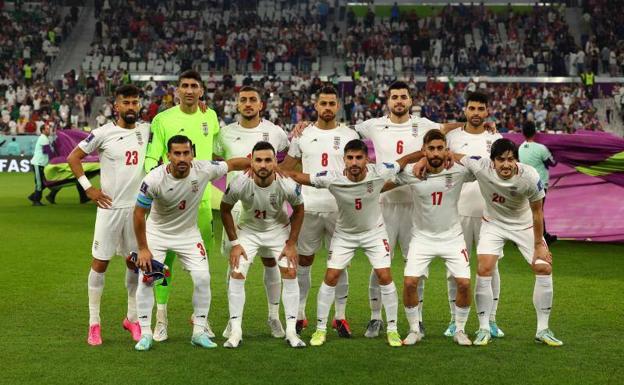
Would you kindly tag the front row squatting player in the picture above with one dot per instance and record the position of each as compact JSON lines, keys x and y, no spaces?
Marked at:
{"x":237,"y":140}
{"x":473,"y":139}
{"x":359,"y":225}
{"x":172,"y":193}
{"x":200,"y":127}
{"x":263,"y":228}
{"x":121,"y":147}
{"x":513,"y":196}
{"x":436,"y":232}
{"x":320,"y":148}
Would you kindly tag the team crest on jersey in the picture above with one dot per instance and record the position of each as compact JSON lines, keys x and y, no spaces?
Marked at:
{"x":369,"y":187}
{"x":273,"y":200}
{"x":414,"y":129}
{"x":205,"y":128}
{"x":336,"y":143}
{"x":139,"y":138}
{"x":488,"y":146}
{"x":265,"y":136}
{"x":448,"y":181}
{"x":194,"y":185}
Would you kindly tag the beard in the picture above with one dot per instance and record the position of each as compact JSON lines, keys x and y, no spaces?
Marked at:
{"x":129,"y":117}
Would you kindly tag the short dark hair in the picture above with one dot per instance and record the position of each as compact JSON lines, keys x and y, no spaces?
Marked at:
{"x":127,"y":90}
{"x":250,"y":89}
{"x":178,"y":139}
{"x":262,"y":145}
{"x":434,"y":134}
{"x":327,"y":90}
{"x":356,"y":145}
{"x":399,"y":85}
{"x":528,"y":129}
{"x":190,"y":74}
{"x":501,"y":146}
{"x":477,"y":96}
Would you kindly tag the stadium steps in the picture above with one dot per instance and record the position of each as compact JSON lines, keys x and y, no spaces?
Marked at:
{"x":75,"y":48}
{"x":615,"y":126}
{"x":573,"y":17}
{"x":96,"y":106}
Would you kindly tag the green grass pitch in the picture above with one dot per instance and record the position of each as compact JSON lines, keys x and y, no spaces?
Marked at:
{"x":43,"y":318}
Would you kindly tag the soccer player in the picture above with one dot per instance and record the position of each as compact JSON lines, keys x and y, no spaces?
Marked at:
{"x":359,"y":225}
{"x":473,"y":139}
{"x":237,"y":140}
{"x":436,"y":232}
{"x":393,"y":136}
{"x":200,"y":127}
{"x":537,"y":155}
{"x":172,"y":193}
{"x":320,"y":148}
{"x":513,"y":196}
{"x":263,"y":226}
{"x":121,"y":147}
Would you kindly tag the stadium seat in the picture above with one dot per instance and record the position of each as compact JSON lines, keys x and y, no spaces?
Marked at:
{"x":123,"y":65}
{"x":279,"y":67}
{"x":142,"y":66}
{"x":132,"y":67}
{"x":316,"y":66}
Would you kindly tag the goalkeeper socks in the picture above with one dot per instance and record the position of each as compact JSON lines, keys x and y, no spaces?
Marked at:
{"x":95,"y":287}
{"x":543,"y":299}
{"x":201,"y":299}
{"x":483,"y":299}
{"x":325,"y":299}
{"x":290,"y":297}
{"x":132,"y":281}
{"x":390,"y":301}
{"x":451,"y":286}
{"x":495,"y":291}
{"x":411,"y":313}
{"x":461,"y":317}
{"x":144,"y":305}
{"x":421,"y":297}
{"x":272,"y":285}
{"x":236,"y":303}
{"x":304,"y":279}
{"x":161,"y":313}
{"x":342,"y":293}
{"x":374,"y":296}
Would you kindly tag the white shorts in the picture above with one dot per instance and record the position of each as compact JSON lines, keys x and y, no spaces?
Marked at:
{"x":374,"y":243}
{"x":423,"y":250}
{"x":398,"y":220}
{"x":189,"y":247}
{"x":268,"y":244}
{"x":225,"y":241}
{"x":114,"y":233}
{"x":492,"y":240}
{"x":471,"y":226}
{"x":316,"y":227}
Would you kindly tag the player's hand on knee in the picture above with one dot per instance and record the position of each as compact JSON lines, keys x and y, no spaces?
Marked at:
{"x":299,"y":127}
{"x":420,"y":169}
{"x":290,"y":253}
{"x":542,"y":253}
{"x":102,"y":200}
{"x":235,"y":254}
{"x":144,"y":260}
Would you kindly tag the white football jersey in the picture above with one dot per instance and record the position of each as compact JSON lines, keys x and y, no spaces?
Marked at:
{"x":121,"y":152}
{"x":321,"y":150}
{"x":358,"y":202}
{"x":471,"y":203}
{"x":393,"y":141}
{"x":263,"y":207}
{"x":236,"y":141}
{"x":435,"y":200}
{"x":175,"y":202}
{"x":506,"y":200}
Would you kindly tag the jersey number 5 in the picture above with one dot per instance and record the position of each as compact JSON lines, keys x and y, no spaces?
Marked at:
{"x":132,"y":158}
{"x":358,"y":203}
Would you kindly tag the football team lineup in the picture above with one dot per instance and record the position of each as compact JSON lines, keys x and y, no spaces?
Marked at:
{"x":436,"y":190}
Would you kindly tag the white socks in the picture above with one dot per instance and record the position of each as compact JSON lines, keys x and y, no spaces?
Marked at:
{"x":324,"y":301}
{"x":451,"y":286}
{"x":201,"y":299}
{"x":411,"y":313}
{"x":290,"y":297}
{"x":421,"y":297}
{"x":461,"y":317}
{"x":95,"y":287}
{"x":144,"y":305}
{"x":342,"y":292}
{"x":543,"y":299}
{"x":390,"y":301}
{"x":132,"y":281}
{"x":273,"y":287}
{"x":495,"y":291}
{"x":374,"y":296}
{"x":236,"y":303}
{"x":484,"y":299}
{"x":304,"y":279}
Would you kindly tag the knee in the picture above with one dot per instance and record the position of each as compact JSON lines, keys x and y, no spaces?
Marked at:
{"x":331,"y":277}
{"x":201,"y":278}
{"x":463,"y":285}
{"x":268,"y":262}
{"x":410,"y":283}
{"x":99,"y":265}
{"x":237,"y":275}
{"x":306,"y":260}
{"x":288,"y":273}
{"x":542,"y":268}
{"x":384,"y":276}
{"x":486,"y":268}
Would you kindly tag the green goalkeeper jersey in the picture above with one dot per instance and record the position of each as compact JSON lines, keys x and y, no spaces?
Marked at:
{"x":200,"y":128}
